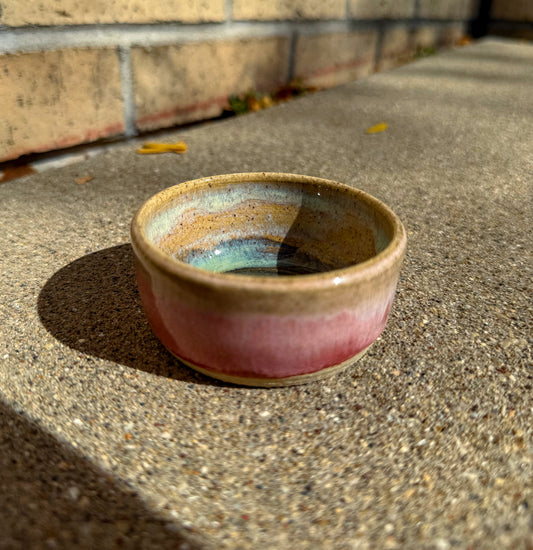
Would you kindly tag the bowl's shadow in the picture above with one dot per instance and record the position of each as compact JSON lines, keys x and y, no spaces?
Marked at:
{"x":92,"y":305}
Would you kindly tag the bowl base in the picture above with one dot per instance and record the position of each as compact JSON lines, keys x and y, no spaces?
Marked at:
{"x":276,"y":382}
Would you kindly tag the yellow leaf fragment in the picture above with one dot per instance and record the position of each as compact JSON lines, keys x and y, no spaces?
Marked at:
{"x":154,"y":148}
{"x":150,"y":151}
{"x":381,"y":127}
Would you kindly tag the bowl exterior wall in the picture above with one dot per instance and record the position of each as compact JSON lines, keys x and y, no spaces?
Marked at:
{"x":261,"y":344}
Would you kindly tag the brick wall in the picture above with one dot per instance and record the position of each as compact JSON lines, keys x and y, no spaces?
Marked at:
{"x":73,"y":72}
{"x":512,"y":18}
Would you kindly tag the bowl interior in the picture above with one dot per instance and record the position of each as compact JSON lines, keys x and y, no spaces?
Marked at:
{"x":268,"y":228}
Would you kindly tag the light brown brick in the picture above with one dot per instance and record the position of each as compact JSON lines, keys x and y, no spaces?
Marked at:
{"x":436,"y":36}
{"x":73,"y":12}
{"x":398,"y":47}
{"x":329,"y":59}
{"x":451,"y":34}
{"x":181,"y":83}
{"x":289,"y":9}
{"x":448,"y":9}
{"x":401,"y":44}
{"x":427,"y":36}
{"x":382,"y":9}
{"x":514,"y":10}
{"x":55,"y":99}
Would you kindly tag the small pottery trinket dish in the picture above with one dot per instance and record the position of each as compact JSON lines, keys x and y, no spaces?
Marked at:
{"x":267,"y":279}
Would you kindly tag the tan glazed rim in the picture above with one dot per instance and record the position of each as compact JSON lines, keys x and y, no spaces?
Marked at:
{"x":365,"y":270}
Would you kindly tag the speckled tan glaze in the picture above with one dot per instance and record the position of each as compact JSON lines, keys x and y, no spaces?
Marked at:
{"x":267,"y":330}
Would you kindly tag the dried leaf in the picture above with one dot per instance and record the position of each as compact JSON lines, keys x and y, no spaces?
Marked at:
{"x":464,"y":41}
{"x":381,"y":127}
{"x":153,"y":148}
{"x":84,"y":179}
{"x":16,"y":172}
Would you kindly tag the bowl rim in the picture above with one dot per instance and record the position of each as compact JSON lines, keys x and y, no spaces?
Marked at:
{"x":381,"y":262}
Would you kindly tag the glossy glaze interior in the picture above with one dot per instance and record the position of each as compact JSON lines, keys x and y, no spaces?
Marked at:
{"x":268,"y":228}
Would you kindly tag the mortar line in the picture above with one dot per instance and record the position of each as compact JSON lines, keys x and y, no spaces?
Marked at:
{"x":416,"y":10}
{"x":113,"y":36}
{"x":379,"y":46}
{"x":228,"y":8}
{"x":126,"y":84}
{"x":291,"y":62}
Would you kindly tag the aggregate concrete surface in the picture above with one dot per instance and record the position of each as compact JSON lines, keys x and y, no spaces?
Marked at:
{"x":107,"y":442}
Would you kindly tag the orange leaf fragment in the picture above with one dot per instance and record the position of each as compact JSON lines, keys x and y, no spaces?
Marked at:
{"x":84,"y":179}
{"x":16,"y":172}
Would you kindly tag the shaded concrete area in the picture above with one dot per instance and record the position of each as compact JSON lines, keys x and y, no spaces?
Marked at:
{"x":51,"y":496}
{"x":425,"y":443}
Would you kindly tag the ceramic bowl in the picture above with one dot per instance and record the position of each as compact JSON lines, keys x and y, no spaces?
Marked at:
{"x":267,"y":279}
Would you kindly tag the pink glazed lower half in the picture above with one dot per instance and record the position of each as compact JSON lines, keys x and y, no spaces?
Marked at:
{"x":242,"y":326}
